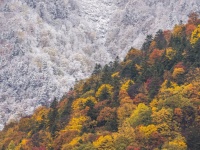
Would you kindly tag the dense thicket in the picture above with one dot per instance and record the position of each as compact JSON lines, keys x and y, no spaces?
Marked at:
{"x":150,"y":101}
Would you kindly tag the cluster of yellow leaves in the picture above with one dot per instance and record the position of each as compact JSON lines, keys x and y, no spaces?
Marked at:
{"x":11,"y":145}
{"x":23,"y":145}
{"x":164,"y":129}
{"x":147,"y":130}
{"x":126,"y":130}
{"x":163,"y":115}
{"x":72,"y":144}
{"x":24,"y":141}
{"x":177,"y":31}
{"x":177,"y":71}
{"x":123,"y":94}
{"x":126,"y":103}
{"x":178,"y":143}
{"x":173,"y":89}
{"x":88,"y":94}
{"x":181,"y":92}
{"x":40,"y":113}
{"x":79,"y":104}
{"x":138,"y":68}
{"x":163,"y":120}
{"x":75,"y":141}
{"x":195,"y":35}
{"x":115,"y":75}
{"x":108,"y":87}
{"x":189,"y":90}
{"x":125,"y":136}
{"x":104,"y":143}
{"x":153,"y":105}
{"x":76,"y":123}
{"x":170,"y":53}
{"x":139,"y":115}
{"x":126,"y":85}
{"x":125,"y":63}
{"x":124,"y":111}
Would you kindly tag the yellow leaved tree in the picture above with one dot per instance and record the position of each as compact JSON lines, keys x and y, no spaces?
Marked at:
{"x":104,"y":143}
{"x":195,"y":35}
{"x":170,"y":53}
{"x":104,"y":92}
{"x":140,"y":116}
{"x":179,"y":143}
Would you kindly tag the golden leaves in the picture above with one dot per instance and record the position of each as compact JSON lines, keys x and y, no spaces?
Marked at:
{"x":105,"y":91}
{"x":170,"y":53}
{"x":195,"y":35}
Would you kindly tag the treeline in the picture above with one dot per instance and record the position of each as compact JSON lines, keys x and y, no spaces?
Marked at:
{"x":150,"y":101}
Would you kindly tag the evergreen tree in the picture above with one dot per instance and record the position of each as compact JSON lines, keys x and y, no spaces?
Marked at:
{"x":97,"y":69}
{"x":146,"y":44}
{"x":52,"y":117}
{"x":106,"y":74}
{"x":161,"y":43}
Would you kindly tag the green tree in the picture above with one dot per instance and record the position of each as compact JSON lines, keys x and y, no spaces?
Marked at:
{"x":129,"y":71}
{"x":52,"y":117}
{"x":11,"y":146}
{"x":146,"y":44}
{"x":97,"y":69}
{"x":160,"y":40}
{"x":106,"y":74}
{"x":140,"y":116}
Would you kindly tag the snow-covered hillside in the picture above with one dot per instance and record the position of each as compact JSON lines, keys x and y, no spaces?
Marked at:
{"x":45,"y":45}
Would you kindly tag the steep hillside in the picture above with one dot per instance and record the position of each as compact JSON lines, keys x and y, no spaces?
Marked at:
{"x":150,"y":101}
{"x":45,"y":45}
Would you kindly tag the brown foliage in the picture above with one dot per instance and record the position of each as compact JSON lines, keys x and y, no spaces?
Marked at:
{"x":189,"y":29}
{"x":155,"y":55}
{"x":106,"y":114}
{"x":193,"y":18}
{"x":64,"y":137}
{"x":140,"y":98}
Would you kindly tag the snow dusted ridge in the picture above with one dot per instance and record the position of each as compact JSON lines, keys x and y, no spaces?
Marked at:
{"x":45,"y":45}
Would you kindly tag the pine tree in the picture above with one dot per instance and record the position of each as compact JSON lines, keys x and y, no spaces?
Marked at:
{"x":52,"y":117}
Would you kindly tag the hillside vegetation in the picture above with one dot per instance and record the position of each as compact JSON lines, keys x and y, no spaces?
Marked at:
{"x":150,"y":101}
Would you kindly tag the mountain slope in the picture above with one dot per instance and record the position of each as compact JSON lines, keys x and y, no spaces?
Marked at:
{"x":47,"y":45}
{"x":150,"y":101}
